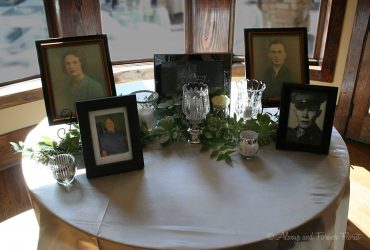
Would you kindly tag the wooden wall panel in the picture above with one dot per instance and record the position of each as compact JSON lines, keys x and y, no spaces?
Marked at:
{"x":209,"y":25}
{"x":73,"y":17}
{"x":8,"y":157}
{"x":352,"y":65}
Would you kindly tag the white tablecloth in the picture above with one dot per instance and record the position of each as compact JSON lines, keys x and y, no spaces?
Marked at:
{"x":184,"y":200}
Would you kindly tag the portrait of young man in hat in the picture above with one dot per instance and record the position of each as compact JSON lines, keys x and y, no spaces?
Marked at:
{"x":306,"y":109}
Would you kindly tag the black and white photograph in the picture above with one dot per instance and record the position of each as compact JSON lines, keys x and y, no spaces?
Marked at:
{"x":306,"y":117}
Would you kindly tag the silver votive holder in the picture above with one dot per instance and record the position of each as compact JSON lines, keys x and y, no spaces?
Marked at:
{"x":63,"y":167}
{"x":248,"y":144}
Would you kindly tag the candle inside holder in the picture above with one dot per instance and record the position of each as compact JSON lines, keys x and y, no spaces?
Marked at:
{"x":146,"y":107}
{"x":147,"y":115}
{"x":248,"y":144}
{"x":247,"y":112}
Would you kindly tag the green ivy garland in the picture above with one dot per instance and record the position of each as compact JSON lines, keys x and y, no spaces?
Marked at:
{"x":220,"y":133}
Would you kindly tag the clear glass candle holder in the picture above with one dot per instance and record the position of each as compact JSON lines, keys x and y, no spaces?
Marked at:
{"x":63,"y":167}
{"x":195,"y":106}
{"x":248,"y":144}
{"x":249,"y":98}
{"x":146,"y":107}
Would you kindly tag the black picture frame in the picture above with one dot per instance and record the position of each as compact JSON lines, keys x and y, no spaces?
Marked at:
{"x":301,"y":104}
{"x":283,"y":48}
{"x":109,"y":153}
{"x":172,"y":71}
{"x":63,"y":84}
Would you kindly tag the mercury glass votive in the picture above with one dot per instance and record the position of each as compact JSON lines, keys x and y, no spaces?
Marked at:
{"x":248,"y":144}
{"x":63,"y":167}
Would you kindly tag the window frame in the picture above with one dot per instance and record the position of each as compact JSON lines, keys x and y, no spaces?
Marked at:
{"x":88,"y":23}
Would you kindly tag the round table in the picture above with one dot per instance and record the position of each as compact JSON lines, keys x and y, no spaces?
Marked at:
{"x":184,"y":200}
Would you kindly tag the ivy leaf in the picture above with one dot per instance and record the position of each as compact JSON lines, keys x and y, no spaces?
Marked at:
{"x":204,"y":148}
{"x":214,"y":154}
{"x":17,"y":146}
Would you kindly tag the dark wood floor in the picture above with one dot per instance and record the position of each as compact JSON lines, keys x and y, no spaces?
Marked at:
{"x":14,"y":198}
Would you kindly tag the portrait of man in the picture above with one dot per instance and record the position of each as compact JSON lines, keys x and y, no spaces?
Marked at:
{"x":276,"y":56}
{"x":278,"y":71}
{"x":306,"y":109}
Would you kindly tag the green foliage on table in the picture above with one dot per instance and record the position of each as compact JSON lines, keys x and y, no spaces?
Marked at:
{"x":48,"y":147}
{"x":172,"y":125}
{"x":220,"y":132}
{"x":266,"y":127}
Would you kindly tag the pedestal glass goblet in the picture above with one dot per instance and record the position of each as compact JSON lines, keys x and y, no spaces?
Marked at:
{"x":195,"y":106}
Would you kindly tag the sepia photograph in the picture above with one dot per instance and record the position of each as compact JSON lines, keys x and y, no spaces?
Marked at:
{"x":276,"y":56}
{"x":73,"y":69}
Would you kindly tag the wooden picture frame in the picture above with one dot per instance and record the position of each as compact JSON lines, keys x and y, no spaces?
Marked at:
{"x":73,"y":69}
{"x":275,"y":56}
{"x":110,"y":135}
{"x":172,"y":71}
{"x":306,"y":118}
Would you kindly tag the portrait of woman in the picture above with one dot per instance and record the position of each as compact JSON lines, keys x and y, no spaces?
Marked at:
{"x":74,"y":69}
{"x":80,"y":85}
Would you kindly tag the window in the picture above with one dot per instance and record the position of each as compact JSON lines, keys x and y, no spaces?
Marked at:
{"x":138,"y":29}
{"x":152,"y":26}
{"x":22,"y":22}
{"x":272,"y":14}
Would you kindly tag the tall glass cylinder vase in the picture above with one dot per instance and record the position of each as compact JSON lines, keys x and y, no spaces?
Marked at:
{"x":195,"y":106}
{"x":249,"y":98}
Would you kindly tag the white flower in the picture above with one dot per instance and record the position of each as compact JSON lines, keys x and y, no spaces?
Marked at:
{"x":220,"y":101}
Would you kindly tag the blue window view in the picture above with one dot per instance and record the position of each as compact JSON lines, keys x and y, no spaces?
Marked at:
{"x":275,"y":14}
{"x":22,"y":22}
{"x":137,"y":29}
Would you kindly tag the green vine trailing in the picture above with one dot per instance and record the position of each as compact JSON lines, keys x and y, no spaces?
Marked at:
{"x":220,"y":133}
{"x":47,"y":148}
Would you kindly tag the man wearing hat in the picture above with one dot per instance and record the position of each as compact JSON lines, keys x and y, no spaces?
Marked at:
{"x":307,"y":108}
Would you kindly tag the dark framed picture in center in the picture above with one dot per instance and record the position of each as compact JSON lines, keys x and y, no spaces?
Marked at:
{"x":276,"y":56}
{"x":173,"y":71}
{"x":110,"y":135}
{"x":73,"y":69}
{"x":306,"y":118}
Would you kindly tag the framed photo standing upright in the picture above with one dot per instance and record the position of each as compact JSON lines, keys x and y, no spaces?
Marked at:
{"x":110,"y":135}
{"x":275,"y":56}
{"x":172,"y":71}
{"x":73,"y":69}
{"x":306,"y":118}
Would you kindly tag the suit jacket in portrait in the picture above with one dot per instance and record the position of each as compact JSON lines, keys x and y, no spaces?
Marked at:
{"x":312,"y":136}
{"x":275,"y":83}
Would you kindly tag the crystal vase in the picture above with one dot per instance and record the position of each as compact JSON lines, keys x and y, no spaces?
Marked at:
{"x":195,"y":106}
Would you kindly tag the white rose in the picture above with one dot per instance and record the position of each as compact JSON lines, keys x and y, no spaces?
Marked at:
{"x":220,"y":101}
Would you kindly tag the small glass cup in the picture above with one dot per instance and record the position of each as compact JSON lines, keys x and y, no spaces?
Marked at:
{"x":248,"y":144}
{"x":63,"y":167}
{"x":146,"y":107}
